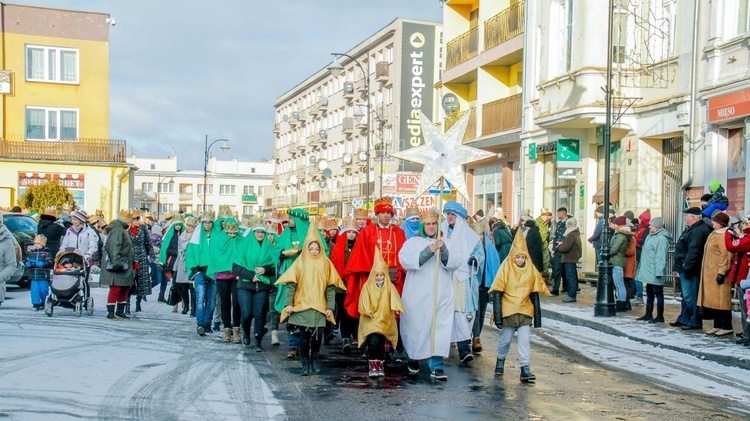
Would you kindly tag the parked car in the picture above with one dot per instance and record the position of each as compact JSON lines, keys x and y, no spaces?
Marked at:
{"x":23,"y":228}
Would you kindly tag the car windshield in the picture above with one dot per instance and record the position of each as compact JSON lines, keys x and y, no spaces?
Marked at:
{"x":23,"y":227}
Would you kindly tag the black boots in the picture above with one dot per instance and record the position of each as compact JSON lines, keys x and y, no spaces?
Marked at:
{"x":500,"y":367}
{"x":138,"y":304}
{"x":622,"y":306}
{"x":120,"y":312}
{"x":659,"y":313}
{"x":315,"y":363}
{"x":649,"y":310}
{"x":305,"y":366}
{"x":111,"y":311}
{"x":127,"y":306}
{"x":161,"y":298}
{"x":526,"y":374}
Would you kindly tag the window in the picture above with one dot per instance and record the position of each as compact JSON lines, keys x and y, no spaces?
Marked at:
{"x":560,"y":37}
{"x":252,"y":170}
{"x":186,"y":189}
{"x":204,"y":208}
{"x":51,"y":123}
{"x":226,"y":189}
{"x":165,"y":207}
{"x":147,"y":187}
{"x":248,"y":210}
{"x":248,"y":190}
{"x":209,"y":189}
{"x":153,"y":166}
{"x":51,"y":64}
{"x":147,"y":207}
{"x":166,"y":187}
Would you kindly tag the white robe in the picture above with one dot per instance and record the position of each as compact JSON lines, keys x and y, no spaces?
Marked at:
{"x":418,"y":298}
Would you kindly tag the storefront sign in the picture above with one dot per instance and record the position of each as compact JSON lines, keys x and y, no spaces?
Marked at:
{"x":532,"y":150}
{"x":730,"y":106}
{"x":389,"y":183}
{"x":568,"y":150}
{"x":407,"y":182}
{"x":401,"y":203}
{"x":547,"y":148}
{"x":76,"y":183}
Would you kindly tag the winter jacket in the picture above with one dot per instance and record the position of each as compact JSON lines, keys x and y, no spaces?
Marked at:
{"x":717,"y":261}
{"x":502,"y":239}
{"x":40,"y":263}
{"x":84,"y":240}
{"x":596,"y":238}
{"x":117,"y":247}
{"x":719,"y":201}
{"x":558,"y":234}
{"x":53,"y":229}
{"x":536,"y":247}
{"x":688,"y":252}
{"x":617,"y":247}
{"x":570,"y":248}
{"x":740,"y":247}
{"x":8,"y":261}
{"x":143,"y":252}
{"x":630,"y":251}
{"x":653,"y":267}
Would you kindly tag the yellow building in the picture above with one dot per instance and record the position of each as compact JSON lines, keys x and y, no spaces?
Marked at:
{"x":54,"y":114}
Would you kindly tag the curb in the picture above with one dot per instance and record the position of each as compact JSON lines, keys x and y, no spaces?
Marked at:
{"x":729,"y":361}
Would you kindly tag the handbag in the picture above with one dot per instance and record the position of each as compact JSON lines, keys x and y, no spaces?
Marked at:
{"x":174,"y":295}
{"x":121,"y":265}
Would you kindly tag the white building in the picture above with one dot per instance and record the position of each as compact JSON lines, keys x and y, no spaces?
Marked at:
{"x":160,"y":187}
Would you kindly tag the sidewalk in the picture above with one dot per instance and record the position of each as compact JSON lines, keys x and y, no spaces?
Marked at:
{"x":721,"y":350}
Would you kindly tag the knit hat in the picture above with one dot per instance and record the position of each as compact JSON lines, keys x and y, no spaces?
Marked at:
{"x":645,"y":216}
{"x":722,"y":218}
{"x":706,"y":197}
{"x":570,"y":222}
{"x":80,"y":215}
{"x":657,"y":222}
{"x":480,"y":213}
{"x":621,"y":220}
{"x":600,"y":209}
{"x":41,"y":239}
{"x":629,"y":214}
{"x":156,"y":229}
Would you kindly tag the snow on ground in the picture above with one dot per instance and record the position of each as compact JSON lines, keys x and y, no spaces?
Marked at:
{"x":152,"y":367}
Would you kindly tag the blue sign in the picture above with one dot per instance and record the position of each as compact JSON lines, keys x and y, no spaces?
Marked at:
{"x":436,"y":189}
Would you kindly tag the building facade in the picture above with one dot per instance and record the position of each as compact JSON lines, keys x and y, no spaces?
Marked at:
{"x":335,"y":133}
{"x":160,"y":187}
{"x":54,"y":115}
{"x":482,"y":76}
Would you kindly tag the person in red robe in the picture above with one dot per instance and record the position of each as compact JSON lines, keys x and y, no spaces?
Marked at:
{"x":340,"y":256}
{"x":390,"y":238}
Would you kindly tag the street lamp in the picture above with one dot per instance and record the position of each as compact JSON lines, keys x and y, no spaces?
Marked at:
{"x":605,"y":297}
{"x":335,"y":68}
{"x":158,"y":190}
{"x":224,"y":148}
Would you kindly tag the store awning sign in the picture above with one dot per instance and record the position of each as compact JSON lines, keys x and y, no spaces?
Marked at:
{"x":568,"y":150}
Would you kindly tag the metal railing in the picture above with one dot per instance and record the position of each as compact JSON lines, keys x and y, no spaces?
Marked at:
{"x":503,"y":26}
{"x":84,"y":150}
{"x":462,"y":48}
{"x":503,"y":114}
{"x":471,"y":128}
{"x":382,"y":69}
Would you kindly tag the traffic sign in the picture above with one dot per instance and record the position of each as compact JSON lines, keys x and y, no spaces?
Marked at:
{"x":357,"y":202}
{"x":435,"y":189}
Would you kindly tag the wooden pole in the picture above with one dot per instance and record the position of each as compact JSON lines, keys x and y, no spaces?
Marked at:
{"x":437,"y":266}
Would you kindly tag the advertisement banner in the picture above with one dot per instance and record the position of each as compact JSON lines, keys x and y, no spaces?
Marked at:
{"x":401,"y":203}
{"x":417,"y":80}
{"x":76,"y":183}
{"x":407,"y":182}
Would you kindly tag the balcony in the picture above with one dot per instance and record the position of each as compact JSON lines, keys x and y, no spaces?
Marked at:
{"x":471,"y":128}
{"x":503,"y":26}
{"x":302,"y":116}
{"x":185,"y":197}
{"x":382,"y":71}
{"x":276,"y":128}
{"x":501,"y":115}
{"x":76,"y":150}
{"x":314,"y":110}
{"x":348,"y":127}
{"x":323,"y":104}
{"x":462,"y":48}
{"x":249,"y":199}
{"x":292,"y":121}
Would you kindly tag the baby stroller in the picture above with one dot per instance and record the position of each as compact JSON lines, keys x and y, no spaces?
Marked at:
{"x":69,"y":284}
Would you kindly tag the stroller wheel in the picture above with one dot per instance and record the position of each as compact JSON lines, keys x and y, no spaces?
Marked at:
{"x":48,"y":308}
{"x":78,"y":309}
{"x":90,"y":306}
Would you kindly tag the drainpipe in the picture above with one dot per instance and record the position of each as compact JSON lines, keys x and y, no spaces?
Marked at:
{"x":118,"y":189}
{"x":691,"y":104}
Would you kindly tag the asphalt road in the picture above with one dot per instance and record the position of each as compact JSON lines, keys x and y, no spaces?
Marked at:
{"x":155,"y":367}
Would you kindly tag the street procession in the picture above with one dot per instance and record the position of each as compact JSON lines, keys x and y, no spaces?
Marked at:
{"x":400,"y":210}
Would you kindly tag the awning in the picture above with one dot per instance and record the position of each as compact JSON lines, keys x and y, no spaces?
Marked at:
{"x":614,"y":191}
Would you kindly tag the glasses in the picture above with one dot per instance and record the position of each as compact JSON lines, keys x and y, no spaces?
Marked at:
{"x":137,"y":218}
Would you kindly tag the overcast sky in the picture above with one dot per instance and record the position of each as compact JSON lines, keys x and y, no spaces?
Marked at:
{"x":184,"y":69}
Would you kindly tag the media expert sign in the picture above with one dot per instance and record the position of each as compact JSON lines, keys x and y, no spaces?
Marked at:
{"x":418,"y":78}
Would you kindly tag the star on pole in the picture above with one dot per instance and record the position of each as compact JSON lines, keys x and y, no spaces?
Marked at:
{"x":443,"y":155}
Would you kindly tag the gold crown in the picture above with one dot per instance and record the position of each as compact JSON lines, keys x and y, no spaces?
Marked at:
{"x":50,"y":211}
{"x":178,"y":218}
{"x":191,"y":221}
{"x":412,"y":210}
{"x":321,"y":222}
{"x":283,"y":215}
{"x":479,"y":227}
{"x":360,"y":213}
{"x":136,"y":212}
{"x":546,"y":211}
{"x":147,"y":214}
{"x":231,"y":225}
{"x":126,"y":215}
{"x":385,"y":200}
{"x":225,"y":211}
{"x":208,"y":215}
{"x":332,"y":224}
{"x":348,"y":224}
{"x":429,"y":215}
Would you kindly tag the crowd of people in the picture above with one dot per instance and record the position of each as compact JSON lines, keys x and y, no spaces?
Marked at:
{"x":397,"y":289}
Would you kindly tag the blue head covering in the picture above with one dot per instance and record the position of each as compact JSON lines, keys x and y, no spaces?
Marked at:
{"x":411,"y":227}
{"x":454,"y":207}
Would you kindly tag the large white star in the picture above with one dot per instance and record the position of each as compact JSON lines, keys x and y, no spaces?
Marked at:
{"x":443,"y":155}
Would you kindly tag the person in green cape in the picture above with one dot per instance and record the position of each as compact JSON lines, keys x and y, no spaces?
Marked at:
{"x":168,"y":253}
{"x":255,"y":267}
{"x":197,"y":258}
{"x":222,"y":256}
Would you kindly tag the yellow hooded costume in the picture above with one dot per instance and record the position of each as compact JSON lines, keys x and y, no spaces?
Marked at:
{"x":310,"y":276}
{"x":377,"y":304}
{"x":518,"y":283}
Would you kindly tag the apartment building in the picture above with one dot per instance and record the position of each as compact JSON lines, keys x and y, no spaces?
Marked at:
{"x":54,"y":117}
{"x":160,"y":187}
{"x":482,"y":76}
{"x":335,"y":130}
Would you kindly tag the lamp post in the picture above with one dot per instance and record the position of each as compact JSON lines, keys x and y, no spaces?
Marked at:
{"x":335,"y":68}
{"x":224,"y":148}
{"x":605,"y":297}
{"x":158,"y":190}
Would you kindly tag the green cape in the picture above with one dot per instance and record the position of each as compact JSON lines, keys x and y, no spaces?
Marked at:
{"x":167,"y":239}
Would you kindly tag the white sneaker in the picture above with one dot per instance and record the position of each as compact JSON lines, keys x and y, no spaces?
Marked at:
{"x":275,"y":337}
